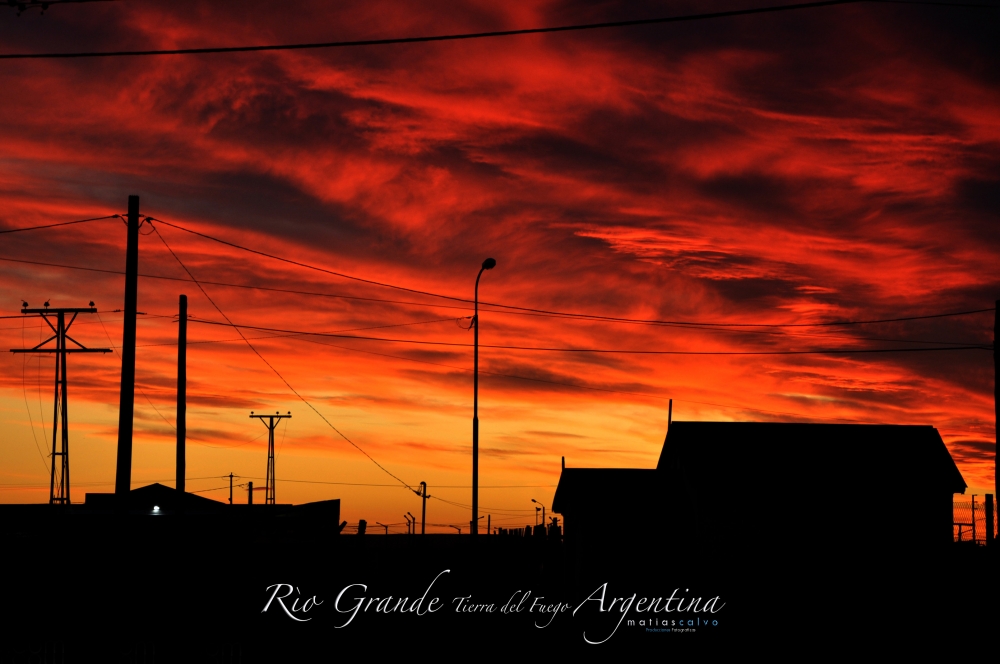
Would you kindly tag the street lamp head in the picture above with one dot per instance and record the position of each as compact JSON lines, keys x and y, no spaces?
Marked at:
{"x":489,"y":264}
{"x":533,"y":500}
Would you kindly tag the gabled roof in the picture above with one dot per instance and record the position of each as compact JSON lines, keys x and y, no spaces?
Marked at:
{"x":145,"y":497}
{"x":604,"y":488}
{"x":157,"y":491}
{"x":849,"y":456}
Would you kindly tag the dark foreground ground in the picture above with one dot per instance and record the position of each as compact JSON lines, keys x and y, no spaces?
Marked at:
{"x":136,"y":589}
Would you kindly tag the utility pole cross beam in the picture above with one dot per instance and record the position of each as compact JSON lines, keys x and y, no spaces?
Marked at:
{"x":59,"y":486}
{"x":271,"y":424}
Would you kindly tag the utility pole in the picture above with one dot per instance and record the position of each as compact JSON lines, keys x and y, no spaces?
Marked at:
{"x":488,"y":264}
{"x":59,"y":494}
{"x":249,"y":493}
{"x":989,"y":520}
{"x":126,"y":407}
{"x":272,"y":422}
{"x":230,"y":488}
{"x":423,"y":513}
{"x":182,"y":394}
{"x":974,"y":518}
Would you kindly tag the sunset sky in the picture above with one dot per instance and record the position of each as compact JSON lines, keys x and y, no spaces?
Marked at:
{"x":813,"y":166}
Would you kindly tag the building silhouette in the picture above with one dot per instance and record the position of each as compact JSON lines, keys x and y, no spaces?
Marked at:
{"x":755,"y":487}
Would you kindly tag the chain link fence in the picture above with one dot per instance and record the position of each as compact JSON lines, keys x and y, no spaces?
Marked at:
{"x":969,"y":517}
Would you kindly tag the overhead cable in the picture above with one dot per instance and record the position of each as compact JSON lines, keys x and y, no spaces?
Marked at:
{"x":63,"y":223}
{"x":273,"y":369}
{"x":625,"y":351}
{"x":474,"y":35}
{"x":511,"y":308}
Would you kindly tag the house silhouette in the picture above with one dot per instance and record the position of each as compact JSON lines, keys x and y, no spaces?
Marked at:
{"x":757,"y":487}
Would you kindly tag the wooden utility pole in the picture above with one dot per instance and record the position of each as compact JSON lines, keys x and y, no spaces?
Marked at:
{"x":126,"y":403}
{"x":182,"y":395}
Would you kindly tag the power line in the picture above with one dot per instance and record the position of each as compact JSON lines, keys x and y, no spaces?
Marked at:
{"x":825,"y":351}
{"x":497,"y":510}
{"x":563,"y":384}
{"x":141,"y":391}
{"x":24,"y":388}
{"x":38,"y":386}
{"x":271,"y":367}
{"x":473,"y":35}
{"x":218,"y":488}
{"x":516,"y":310}
{"x":63,"y":223}
{"x":563,"y":313}
{"x":296,"y":334}
{"x":511,"y":309}
{"x":231,"y":285}
{"x":310,"y":267}
{"x":78,"y":484}
{"x":22,"y":5}
{"x":396,"y":486}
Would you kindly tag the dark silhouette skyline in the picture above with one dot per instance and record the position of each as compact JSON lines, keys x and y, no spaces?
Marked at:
{"x":786,"y":219}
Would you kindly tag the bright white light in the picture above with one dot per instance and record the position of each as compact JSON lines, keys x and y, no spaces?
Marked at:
{"x":156,"y":508}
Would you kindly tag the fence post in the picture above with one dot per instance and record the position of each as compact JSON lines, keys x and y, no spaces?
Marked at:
{"x":973,"y":518}
{"x":989,"y":519}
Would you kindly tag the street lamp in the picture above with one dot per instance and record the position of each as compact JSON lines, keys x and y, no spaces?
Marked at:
{"x":384,"y":526}
{"x":536,"y":510}
{"x":488,"y":264}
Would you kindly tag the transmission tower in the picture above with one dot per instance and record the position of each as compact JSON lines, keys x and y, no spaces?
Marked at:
{"x":59,"y":488}
{"x":271,"y":423}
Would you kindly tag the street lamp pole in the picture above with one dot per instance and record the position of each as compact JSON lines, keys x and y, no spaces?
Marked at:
{"x":488,"y":264}
{"x":536,"y":510}
{"x":423,"y":513}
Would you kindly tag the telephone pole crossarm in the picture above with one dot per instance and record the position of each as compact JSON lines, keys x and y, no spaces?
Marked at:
{"x":59,"y":486}
{"x":271,"y":423}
